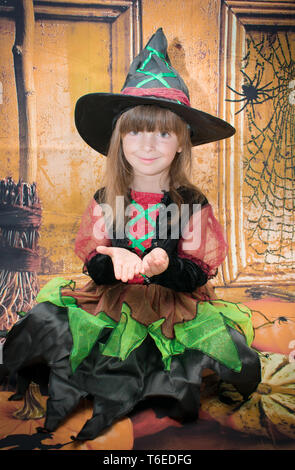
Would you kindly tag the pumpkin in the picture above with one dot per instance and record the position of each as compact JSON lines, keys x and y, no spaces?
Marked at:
{"x":19,"y":423}
{"x":274,"y":325}
{"x":269,"y":411}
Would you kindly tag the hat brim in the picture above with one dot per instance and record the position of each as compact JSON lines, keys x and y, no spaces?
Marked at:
{"x":96,"y":112}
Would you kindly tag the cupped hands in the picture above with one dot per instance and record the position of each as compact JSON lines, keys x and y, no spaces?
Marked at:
{"x":128,"y":264}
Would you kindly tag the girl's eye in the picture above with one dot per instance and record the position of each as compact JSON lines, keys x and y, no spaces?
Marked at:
{"x":133,"y":133}
{"x":164,"y":134}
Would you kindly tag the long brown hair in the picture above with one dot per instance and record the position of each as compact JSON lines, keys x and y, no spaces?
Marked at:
{"x":118,"y":174}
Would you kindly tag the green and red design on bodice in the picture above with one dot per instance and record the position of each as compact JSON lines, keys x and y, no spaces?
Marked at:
{"x":141,"y":227}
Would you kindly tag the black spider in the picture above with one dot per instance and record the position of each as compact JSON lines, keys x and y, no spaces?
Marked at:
{"x":279,"y":320}
{"x":283,"y":319}
{"x":252,"y":93}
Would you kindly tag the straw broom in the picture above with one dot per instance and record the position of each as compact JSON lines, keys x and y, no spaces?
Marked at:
{"x":19,"y":260}
{"x":20,"y":211}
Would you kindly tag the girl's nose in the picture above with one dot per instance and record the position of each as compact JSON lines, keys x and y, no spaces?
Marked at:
{"x":148,"y":140}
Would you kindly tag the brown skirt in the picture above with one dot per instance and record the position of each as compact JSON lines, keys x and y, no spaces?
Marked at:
{"x":148,"y":303}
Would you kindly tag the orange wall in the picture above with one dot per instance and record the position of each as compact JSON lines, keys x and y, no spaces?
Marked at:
{"x":72,"y":58}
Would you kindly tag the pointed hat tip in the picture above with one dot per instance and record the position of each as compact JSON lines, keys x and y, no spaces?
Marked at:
{"x":158,"y":41}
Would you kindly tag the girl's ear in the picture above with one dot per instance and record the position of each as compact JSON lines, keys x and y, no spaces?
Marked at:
{"x":180,"y":147}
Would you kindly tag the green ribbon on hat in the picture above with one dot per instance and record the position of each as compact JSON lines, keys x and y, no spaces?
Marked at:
{"x":155,"y":76}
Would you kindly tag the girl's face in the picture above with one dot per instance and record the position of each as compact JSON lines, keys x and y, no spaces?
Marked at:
{"x":150,"y":153}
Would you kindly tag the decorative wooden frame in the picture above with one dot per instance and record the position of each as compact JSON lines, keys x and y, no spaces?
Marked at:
{"x":257,"y":14}
{"x":25,"y":14}
{"x":236,"y":18}
{"x":89,"y":10}
{"x":107,"y":11}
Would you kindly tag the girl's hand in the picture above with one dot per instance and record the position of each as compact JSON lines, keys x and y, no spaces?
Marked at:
{"x":126,"y":264}
{"x":155,"y":262}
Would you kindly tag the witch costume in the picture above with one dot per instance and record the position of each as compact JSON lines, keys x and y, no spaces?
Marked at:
{"x":121,"y":344}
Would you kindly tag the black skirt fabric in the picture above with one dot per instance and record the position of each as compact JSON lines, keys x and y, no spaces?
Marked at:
{"x":38,"y":349}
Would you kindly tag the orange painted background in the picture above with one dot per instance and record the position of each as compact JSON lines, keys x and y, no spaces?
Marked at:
{"x":72,"y":58}
{"x":81,"y":47}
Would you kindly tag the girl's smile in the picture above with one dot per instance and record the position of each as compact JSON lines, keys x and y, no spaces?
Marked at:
{"x":150,"y":153}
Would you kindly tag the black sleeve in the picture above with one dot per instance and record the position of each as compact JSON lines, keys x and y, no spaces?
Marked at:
{"x":182,"y":275}
{"x":100,"y":269}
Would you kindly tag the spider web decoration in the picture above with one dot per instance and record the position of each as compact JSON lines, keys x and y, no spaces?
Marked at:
{"x":266,"y":98}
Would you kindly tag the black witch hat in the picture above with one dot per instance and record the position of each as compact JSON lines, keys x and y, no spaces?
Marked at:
{"x":151,"y":80}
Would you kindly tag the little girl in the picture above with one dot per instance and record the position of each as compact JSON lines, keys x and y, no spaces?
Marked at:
{"x":147,"y":323}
